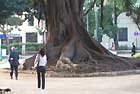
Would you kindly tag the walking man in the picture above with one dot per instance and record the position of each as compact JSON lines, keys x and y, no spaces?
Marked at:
{"x":133,"y":49}
{"x":14,"y":63}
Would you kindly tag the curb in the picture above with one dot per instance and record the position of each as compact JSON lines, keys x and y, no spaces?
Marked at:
{"x":95,"y":74}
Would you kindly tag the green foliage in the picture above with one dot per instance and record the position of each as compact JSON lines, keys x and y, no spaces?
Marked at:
{"x":33,"y":46}
{"x":33,"y":3}
{"x":109,"y":28}
{"x":91,"y":16}
{"x":4,"y":9}
{"x":36,"y":9}
{"x":124,"y":47}
{"x":14,"y":21}
{"x":136,"y":13}
{"x":10,"y":7}
{"x":29,"y":46}
{"x":6,"y":31}
{"x":16,"y":5}
{"x":41,"y":32}
{"x":18,"y":46}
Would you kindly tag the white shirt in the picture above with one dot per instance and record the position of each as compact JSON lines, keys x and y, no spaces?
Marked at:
{"x":42,"y":60}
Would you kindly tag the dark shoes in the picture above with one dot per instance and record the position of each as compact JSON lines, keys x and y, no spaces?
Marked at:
{"x":12,"y":77}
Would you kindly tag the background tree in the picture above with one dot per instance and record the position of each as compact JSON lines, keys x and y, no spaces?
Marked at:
{"x":8,"y":8}
{"x":119,"y":6}
{"x":134,"y":12}
{"x":108,"y":15}
{"x":110,"y":22}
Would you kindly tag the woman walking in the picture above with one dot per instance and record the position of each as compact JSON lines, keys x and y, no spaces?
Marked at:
{"x":40,"y":64}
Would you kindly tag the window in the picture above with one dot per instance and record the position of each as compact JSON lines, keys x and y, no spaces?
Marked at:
{"x":30,"y":20}
{"x":31,"y":37}
{"x":123,"y":34}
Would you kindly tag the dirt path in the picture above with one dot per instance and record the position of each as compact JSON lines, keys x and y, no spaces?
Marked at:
{"x":94,"y":85}
{"x":25,"y":85}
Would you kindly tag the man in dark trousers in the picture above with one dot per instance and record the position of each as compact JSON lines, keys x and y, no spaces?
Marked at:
{"x":133,"y":49}
{"x":14,"y":63}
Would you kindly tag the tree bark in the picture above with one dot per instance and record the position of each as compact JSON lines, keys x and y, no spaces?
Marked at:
{"x":69,"y":44}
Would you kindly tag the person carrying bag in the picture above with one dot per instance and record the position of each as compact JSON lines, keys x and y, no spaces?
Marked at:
{"x":40,"y":65}
{"x":14,"y":62}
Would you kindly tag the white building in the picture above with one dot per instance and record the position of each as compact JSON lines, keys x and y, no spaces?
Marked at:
{"x":128,"y":32}
{"x":26,"y":33}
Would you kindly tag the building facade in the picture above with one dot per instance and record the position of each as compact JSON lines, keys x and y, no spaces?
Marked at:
{"x":28,"y":32}
{"x":128,"y":32}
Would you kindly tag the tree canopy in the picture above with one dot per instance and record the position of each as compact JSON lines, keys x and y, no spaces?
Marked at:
{"x":11,"y":7}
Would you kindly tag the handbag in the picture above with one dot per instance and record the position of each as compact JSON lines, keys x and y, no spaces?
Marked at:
{"x":37,"y":60}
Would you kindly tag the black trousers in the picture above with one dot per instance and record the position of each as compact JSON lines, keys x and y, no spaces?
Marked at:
{"x":14,"y":68}
{"x":41,"y":70}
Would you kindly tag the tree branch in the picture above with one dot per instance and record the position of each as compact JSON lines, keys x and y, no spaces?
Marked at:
{"x":90,"y":7}
{"x":102,"y":15}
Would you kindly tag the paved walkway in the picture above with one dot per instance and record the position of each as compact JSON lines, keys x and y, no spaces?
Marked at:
{"x":94,"y":85}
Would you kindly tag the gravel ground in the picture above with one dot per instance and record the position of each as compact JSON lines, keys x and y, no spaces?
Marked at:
{"x":26,"y":84}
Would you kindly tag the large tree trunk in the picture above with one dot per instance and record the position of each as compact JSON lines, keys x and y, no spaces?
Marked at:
{"x":68,"y":42}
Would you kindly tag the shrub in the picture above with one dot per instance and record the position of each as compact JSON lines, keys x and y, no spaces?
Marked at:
{"x":28,"y":46}
{"x":33,"y":46}
{"x":124,"y":47}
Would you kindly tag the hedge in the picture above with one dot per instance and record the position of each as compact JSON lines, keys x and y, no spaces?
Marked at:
{"x":28,"y":46}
